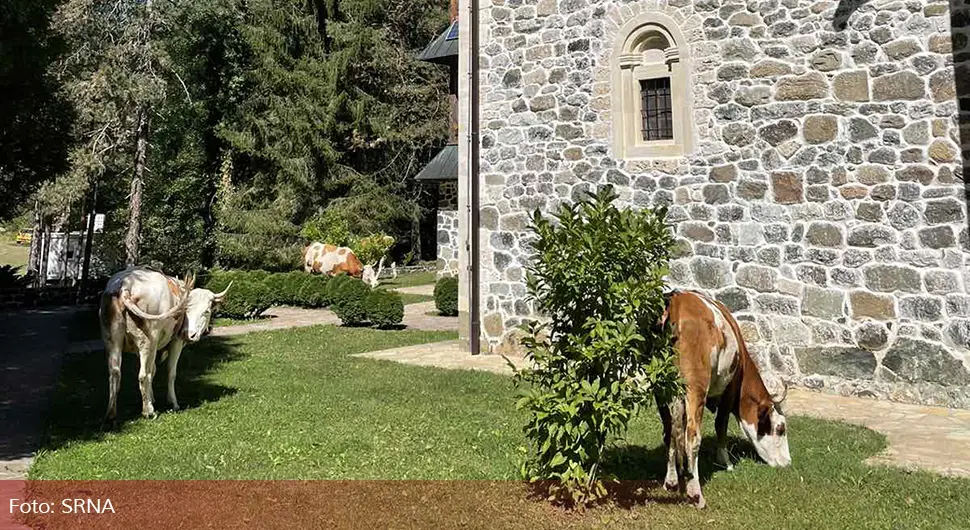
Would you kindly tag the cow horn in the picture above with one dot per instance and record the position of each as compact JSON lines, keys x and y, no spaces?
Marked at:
{"x":220,"y":296}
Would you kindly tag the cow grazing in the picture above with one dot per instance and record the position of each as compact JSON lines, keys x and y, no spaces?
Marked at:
{"x":332,"y":260}
{"x":145,"y":311}
{"x":719,"y":373}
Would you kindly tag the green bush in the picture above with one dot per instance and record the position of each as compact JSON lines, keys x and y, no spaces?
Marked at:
{"x":446,"y":296}
{"x":246,"y":298}
{"x":597,"y":274}
{"x":384,"y":308}
{"x":313,"y":293}
{"x":347,"y":301}
{"x":335,"y":284}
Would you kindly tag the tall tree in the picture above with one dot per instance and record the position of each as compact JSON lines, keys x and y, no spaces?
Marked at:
{"x":116,"y":74}
{"x":35,"y":120}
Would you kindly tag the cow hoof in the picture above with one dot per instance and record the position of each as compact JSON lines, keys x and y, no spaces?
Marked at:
{"x":698,"y":502}
{"x":671,"y":486}
{"x":175,"y":407}
{"x":150,"y":415}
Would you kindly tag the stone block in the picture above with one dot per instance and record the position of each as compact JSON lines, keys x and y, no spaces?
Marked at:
{"x":823,"y":303}
{"x":888,"y":278}
{"x":924,"y":308}
{"x":851,"y":86}
{"x":865,"y":304}
{"x":849,"y":363}
{"x":710,"y":273}
{"x":904,"y":85}
{"x":915,"y":360}
{"x":787,"y":187}
{"x":812,"y":85}
{"x":761,"y":279}
{"x":820,"y":128}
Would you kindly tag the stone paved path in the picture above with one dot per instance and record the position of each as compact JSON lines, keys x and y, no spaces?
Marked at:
{"x":932,"y":438}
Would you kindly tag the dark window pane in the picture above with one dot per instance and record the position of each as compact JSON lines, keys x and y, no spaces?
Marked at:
{"x":656,"y":109}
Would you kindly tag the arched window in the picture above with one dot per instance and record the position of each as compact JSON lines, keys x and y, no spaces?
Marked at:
{"x":650,"y":94}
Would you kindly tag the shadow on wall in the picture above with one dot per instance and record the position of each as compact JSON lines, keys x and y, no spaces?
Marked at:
{"x":959,"y":24}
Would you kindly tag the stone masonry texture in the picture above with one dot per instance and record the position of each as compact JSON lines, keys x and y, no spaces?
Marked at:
{"x":447,"y":229}
{"x":823,"y":200}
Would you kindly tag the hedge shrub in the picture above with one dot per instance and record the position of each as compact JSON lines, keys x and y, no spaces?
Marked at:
{"x":384,"y":308}
{"x":246,"y":299}
{"x":347,"y":301}
{"x":313,"y":293}
{"x":446,"y":296}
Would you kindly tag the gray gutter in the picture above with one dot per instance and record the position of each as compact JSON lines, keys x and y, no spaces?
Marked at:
{"x":475,"y":294}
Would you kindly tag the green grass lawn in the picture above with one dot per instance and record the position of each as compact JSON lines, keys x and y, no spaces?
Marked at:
{"x":13,"y":254}
{"x":295,"y":405}
{"x":415,"y":298}
{"x":410,"y":279}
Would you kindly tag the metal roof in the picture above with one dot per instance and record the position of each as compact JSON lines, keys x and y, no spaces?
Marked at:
{"x":444,"y":166}
{"x":444,"y":48}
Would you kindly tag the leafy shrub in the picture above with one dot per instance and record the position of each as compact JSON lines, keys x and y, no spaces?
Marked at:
{"x":446,"y":296}
{"x":369,"y":250}
{"x":246,"y":299}
{"x":384,"y":308}
{"x":598,"y":275}
{"x":313,"y":293}
{"x":335,"y":284}
{"x":347,"y":301}
{"x":328,"y":227}
{"x":10,"y":278}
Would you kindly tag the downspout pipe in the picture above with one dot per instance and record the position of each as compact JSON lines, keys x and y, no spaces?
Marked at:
{"x":474,"y":155}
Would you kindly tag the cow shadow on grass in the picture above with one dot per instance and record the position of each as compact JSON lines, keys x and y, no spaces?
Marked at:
{"x":81,"y":396}
{"x":640,"y":470}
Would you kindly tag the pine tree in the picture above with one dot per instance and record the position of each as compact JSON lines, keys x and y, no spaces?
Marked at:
{"x":116,"y":74}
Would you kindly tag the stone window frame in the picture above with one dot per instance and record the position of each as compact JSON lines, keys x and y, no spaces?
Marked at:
{"x":630,"y":65}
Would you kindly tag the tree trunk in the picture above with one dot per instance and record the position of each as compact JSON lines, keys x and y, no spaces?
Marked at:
{"x":137,"y":184}
{"x":45,"y":250}
{"x":89,"y":238}
{"x":36,"y":242}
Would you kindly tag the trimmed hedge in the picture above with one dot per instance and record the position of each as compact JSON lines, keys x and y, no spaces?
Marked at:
{"x":253,"y":292}
{"x":352,"y":300}
{"x":446,"y":296}
{"x":248,"y":297}
{"x":347,"y":301}
{"x":384,"y":308}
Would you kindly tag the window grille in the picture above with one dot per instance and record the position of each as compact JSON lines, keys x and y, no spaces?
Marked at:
{"x":656,"y":109}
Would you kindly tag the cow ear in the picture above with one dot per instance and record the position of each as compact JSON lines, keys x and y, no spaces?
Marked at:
{"x":776,"y":387}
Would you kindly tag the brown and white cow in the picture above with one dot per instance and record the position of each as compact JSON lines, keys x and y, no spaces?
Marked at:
{"x":719,"y":373}
{"x":319,"y":258}
{"x":145,"y":311}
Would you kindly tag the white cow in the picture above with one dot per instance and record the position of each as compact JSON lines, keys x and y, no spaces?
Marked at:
{"x":145,"y":311}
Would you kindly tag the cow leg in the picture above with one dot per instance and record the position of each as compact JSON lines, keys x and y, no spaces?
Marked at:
{"x":114,"y":379}
{"x":146,"y":354}
{"x":174,"y":351}
{"x":695,"y":413}
{"x":671,"y":480}
{"x":721,"y":427}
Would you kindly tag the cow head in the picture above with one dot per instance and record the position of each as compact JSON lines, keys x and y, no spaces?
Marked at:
{"x":369,"y":276}
{"x":199,"y":310}
{"x":769,"y":432}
